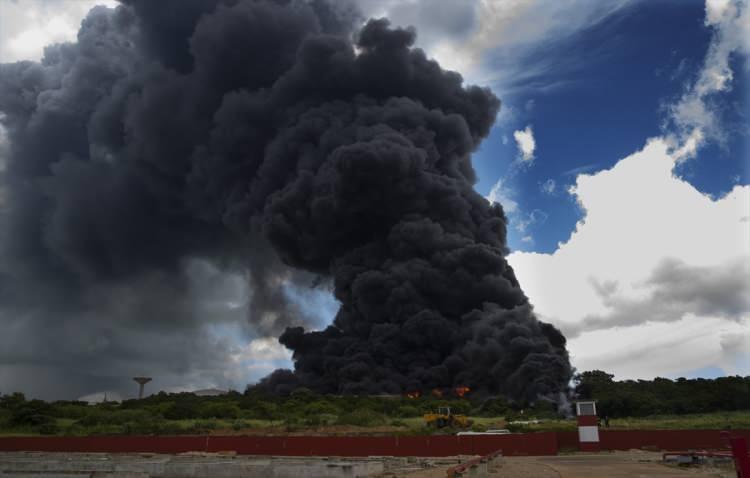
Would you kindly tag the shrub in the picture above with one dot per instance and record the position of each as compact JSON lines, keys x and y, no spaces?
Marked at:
{"x":478,"y":427}
{"x":34,"y":420}
{"x":291,"y":422}
{"x":406,"y":411}
{"x":362,"y":418}
{"x":12,"y":401}
{"x":108,"y":430}
{"x":238,"y":425}
{"x":181,"y":411}
{"x":5,"y":417}
{"x":133,"y":404}
{"x":264,"y":411}
{"x":74,"y":410}
{"x":303,"y":394}
{"x":115,"y":417}
{"x":320,"y":407}
{"x":90,"y":420}
{"x":31,"y":413}
{"x":203,"y":426}
{"x":313,"y":421}
{"x":151,"y":427}
{"x":518,"y":428}
{"x":493,"y":407}
{"x":49,"y":428}
{"x":221,"y":410}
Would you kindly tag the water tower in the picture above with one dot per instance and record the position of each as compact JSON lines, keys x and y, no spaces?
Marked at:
{"x":141,"y":381}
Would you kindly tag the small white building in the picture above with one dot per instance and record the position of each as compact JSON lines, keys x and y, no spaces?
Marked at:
{"x":209,"y":392}
{"x":100,"y":397}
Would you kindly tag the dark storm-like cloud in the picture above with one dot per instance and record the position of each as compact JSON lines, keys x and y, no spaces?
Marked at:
{"x":676,"y":290}
{"x":274,"y":141}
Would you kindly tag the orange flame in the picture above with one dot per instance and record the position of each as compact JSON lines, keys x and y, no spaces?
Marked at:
{"x":413,"y":395}
{"x":461,"y":391}
{"x":436,"y":392}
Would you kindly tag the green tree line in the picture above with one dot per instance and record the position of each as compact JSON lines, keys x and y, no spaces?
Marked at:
{"x":186,"y":413}
{"x":180,"y":413}
{"x":662,"y":396}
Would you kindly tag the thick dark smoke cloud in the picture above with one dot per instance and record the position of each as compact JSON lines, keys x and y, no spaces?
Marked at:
{"x":271,"y":139}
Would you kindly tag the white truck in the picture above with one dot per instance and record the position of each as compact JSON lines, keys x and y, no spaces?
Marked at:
{"x":491,"y":431}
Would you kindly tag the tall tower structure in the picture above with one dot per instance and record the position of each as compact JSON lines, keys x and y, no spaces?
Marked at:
{"x":141,"y":381}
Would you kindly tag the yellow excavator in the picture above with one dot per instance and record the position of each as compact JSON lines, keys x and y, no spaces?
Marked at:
{"x":444,"y":418}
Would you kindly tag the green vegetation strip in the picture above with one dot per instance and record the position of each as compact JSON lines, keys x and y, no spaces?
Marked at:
{"x":629,"y":405}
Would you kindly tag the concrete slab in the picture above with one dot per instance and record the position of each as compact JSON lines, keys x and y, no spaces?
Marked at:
{"x":80,"y":465}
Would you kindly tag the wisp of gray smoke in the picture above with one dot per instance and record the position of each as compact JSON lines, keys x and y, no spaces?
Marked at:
{"x":277,"y":138}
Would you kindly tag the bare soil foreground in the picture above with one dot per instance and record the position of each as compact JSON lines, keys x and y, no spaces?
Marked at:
{"x":612,"y":465}
{"x":201,"y":465}
{"x":632,"y":464}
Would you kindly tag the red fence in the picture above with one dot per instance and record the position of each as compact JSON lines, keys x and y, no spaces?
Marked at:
{"x":547,"y":443}
{"x":106,"y":444}
{"x":653,"y":439}
{"x":567,"y":441}
{"x":512,"y":445}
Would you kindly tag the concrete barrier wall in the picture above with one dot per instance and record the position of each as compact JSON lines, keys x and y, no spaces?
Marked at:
{"x":531,"y":444}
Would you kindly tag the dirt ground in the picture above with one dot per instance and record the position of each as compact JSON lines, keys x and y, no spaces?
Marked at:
{"x":635,"y":464}
{"x":611,"y":465}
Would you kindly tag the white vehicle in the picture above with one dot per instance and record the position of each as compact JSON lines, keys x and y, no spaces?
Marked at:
{"x":491,"y":431}
{"x":526,"y":422}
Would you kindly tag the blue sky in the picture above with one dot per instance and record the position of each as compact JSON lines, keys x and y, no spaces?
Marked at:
{"x":609,"y":84}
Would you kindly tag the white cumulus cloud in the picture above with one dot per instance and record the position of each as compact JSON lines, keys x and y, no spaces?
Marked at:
{"x":525,"y":143}
{"x":655,"y":278}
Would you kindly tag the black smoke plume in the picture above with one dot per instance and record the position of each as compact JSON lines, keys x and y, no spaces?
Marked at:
{"x":277,"y":138}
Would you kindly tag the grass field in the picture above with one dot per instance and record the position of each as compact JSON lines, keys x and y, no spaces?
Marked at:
{"x":404,"y":426}
{"x":739,"y":420}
